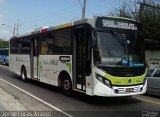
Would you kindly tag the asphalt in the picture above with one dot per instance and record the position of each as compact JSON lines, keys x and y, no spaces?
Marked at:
{"x":79,"y":105}
{"x":16,"y":103}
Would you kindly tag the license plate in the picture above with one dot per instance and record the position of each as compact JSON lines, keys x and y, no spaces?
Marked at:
{"x":130,"y":90}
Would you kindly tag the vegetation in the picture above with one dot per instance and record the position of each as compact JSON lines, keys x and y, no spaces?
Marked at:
{"x":148,"y":13}
{"x":4,"y":43}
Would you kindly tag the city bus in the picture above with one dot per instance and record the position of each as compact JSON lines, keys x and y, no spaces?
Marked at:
{"x":4,"y":56}
{"x":98,"y":56}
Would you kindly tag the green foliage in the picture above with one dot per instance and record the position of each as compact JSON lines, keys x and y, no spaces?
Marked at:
{"x":149,"y":16}
{"x":4,"y":43}
{"x":125,"y":10}
{"x":148,"y":13}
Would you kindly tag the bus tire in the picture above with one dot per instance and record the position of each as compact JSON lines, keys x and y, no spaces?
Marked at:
{"x":23,"y":74}
{"x":66,"y":86}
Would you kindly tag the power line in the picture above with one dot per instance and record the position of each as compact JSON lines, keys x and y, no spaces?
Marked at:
{"x":17,"y":26}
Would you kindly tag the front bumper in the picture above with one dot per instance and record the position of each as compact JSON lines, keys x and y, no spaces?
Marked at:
{"x":116,"y":91}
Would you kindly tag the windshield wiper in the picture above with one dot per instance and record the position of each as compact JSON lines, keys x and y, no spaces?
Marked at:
{"x":117,"y":37}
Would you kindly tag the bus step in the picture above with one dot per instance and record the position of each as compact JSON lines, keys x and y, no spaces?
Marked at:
{"x":81,"y":87}
{"x":34,"y":78}
{"x":78,"y":90}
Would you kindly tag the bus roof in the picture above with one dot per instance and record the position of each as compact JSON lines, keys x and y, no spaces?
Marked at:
{"x":124,"y":18}
{"x":91,"y":21}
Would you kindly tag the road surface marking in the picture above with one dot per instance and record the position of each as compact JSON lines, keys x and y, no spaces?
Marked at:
{"x":57,"y":109}
{"x":147,"y":100}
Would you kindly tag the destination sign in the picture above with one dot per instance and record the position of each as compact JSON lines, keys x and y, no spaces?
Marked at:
{"x":116,"y":23}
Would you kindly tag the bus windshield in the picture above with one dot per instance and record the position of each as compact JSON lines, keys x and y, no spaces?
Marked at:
{"x":119,"y":48}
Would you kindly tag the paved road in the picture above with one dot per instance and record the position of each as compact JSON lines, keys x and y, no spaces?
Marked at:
{"x":81,"y":105}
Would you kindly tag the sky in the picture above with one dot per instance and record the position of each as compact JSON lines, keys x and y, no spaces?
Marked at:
{"x":33,"y":14}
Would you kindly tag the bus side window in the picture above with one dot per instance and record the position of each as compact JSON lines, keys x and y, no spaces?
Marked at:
{"x":13,"y":46}
{"x":88,"y":52}
{"x":19,"y":47}
{"x":44,"y":47}
{"x":50,"y":42}
{"x":47,"y":43}
{"x":62,"y":41}
{"x":25,"y":45}
{"x":36,"y":48}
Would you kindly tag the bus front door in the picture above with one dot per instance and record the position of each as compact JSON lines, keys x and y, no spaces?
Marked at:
{"x":83,"y":55}
{"x":34,"y":59}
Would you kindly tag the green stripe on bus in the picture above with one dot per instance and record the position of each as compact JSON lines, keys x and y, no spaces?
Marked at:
{"x":69,"y":66}
{"x":123,"y":18}
{"x":63,"y":26}
{"x":125,"y":80}
{"x":40,"y":65}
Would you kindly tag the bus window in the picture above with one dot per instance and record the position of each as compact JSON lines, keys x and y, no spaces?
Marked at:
{"x":44,"y":47}
{"x":47,"y":44}
{"x":13,"y":46}
{"x":19,"y":46}
{"x":63,"y":42}
{"x":50,"y":42}
{"x":25,"y":46}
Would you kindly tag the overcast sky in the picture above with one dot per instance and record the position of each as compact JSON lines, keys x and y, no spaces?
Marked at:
{"x":38,"y":13}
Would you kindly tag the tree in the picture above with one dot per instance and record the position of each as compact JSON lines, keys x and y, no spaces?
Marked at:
{"x":148,"y":13}
{"x":4,"y":44}
{"x":149,"y":16}
{"x":127,"y":10}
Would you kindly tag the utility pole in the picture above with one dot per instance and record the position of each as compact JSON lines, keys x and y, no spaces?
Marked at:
{"x":84,"y":9}
{"x":17,"y":26}
{"x":14,"y":29}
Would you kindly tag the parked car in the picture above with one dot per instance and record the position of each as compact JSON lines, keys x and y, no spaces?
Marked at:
{"x":153,"y":78}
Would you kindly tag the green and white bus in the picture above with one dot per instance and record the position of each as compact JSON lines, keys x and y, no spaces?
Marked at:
{"x":99,"y":56}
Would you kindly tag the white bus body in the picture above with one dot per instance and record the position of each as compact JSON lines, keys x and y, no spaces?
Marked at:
{"x":75,"y":52}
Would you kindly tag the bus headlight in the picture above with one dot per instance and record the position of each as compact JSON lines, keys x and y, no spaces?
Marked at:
{"x":103,"y":80}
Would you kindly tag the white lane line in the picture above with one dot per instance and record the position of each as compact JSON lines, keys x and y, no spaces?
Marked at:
{"x":57,"y":109}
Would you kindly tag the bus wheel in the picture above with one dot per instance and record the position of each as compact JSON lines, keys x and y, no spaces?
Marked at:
{"x":66,"y":86}
{"x":23,"y":74}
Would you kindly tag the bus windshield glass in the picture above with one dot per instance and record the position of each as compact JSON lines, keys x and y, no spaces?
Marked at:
{"x":119,"y":48}
{"x":119,"y":43}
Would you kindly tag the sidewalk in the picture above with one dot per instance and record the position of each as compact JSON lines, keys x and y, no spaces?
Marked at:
{"x":11,"y":99}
